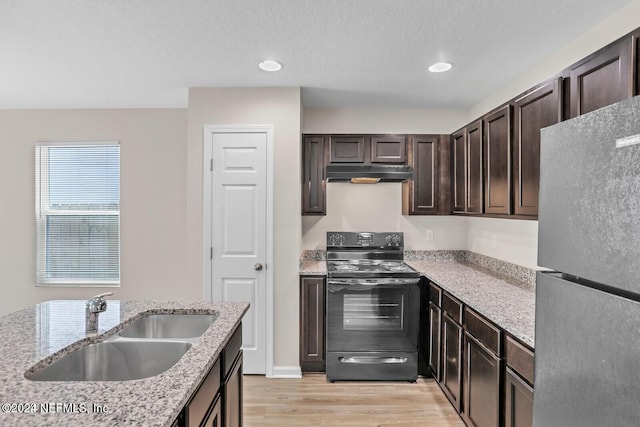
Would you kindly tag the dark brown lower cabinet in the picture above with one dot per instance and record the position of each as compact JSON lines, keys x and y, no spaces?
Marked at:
{"x":451,"y":364}
{"x":312,"y":306}
{"x":518,"y":401}
{"x":486,"y":373}
{"x":232,"y":395}
{"x":481,"y":385}
{"x":433,"y":359}
{"x":218,"y":400}
{"x":214,"y":418}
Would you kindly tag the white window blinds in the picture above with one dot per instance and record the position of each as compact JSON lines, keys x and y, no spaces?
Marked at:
{"x":78,"y":214}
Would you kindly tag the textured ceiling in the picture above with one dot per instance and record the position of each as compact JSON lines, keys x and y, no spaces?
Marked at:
{"x":343,"y":53}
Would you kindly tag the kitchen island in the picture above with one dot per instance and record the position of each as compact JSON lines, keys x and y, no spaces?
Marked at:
{"x":35,"y":337}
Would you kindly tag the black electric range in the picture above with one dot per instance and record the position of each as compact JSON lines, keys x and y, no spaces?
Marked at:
{"x":372,"y":308}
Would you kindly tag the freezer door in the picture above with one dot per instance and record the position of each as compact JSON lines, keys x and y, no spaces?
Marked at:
{"x":587,"y":364}
{"x":589,"y":210}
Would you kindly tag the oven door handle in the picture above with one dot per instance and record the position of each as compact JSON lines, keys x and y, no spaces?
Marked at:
{"x":372,"y":360}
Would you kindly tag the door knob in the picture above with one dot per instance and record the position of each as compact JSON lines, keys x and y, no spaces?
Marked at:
{"x":258,"y":266}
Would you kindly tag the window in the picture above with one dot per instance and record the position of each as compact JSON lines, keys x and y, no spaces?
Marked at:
{"x":78,"y":214}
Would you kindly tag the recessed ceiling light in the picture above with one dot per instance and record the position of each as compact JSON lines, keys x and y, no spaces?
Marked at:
{"x":440,"y":67}
{"x":270,"y":65}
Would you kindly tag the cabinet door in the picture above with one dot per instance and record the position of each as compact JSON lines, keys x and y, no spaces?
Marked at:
{"x":421,"y":193}
{"x":196,"y":410}
{"x":497,"y":153}
{"x":451,"y":364}
{"x":518,"y":401}
{"x":482,"y":385}
{"x":601,"y":79}
{"x":214,"y":419}
{"x":474,"y":168}
{"x":313,"y":179}
{"x":312,"y":325}
{"x":538,"y":109}
{"x":232,"y":394}
{"x":388,"y":149}
{"x":435,"y":349}
{"x":459,"y":170}
{"x":636,"y":57}
{"x":347,"y":149}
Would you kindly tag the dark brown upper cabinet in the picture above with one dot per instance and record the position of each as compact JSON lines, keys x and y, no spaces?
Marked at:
{"x":466,"y":165}
{"x":388,"y":149}
{"x":602,"y":78}
{"x":497,"y":155}
{"x":313,"y":175}
{"x":473,"y":150}
{"x":635,"y":40}
{"x":347,"y":149}
{"x":537,"y":109}
{"x":458,"y":169}
{"x":427,"y":193}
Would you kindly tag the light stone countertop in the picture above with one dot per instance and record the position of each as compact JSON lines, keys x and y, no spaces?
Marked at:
{"x":313,"y":267}
{"x":34,"y":337}
{"x":507,"y":302}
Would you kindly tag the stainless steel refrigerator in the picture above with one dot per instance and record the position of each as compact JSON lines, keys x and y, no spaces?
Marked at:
{"x":587,"y":336}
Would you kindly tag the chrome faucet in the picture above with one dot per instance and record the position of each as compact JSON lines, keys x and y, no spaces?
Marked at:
{"x":95,"y":306}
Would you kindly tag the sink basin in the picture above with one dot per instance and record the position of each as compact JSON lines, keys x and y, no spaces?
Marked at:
{"x":169,"y":326}
{"x":114,"y":361}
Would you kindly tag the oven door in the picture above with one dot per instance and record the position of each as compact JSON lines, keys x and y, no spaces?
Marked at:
{"x":372,"y":315}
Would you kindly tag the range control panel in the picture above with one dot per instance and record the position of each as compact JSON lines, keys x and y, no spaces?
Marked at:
{"x":364,"y":239}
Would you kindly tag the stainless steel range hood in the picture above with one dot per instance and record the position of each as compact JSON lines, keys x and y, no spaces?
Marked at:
{"x":369,"y":173}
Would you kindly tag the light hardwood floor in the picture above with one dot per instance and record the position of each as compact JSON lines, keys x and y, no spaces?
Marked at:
{"x":313,"y":401}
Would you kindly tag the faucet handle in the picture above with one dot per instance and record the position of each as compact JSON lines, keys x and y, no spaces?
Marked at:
{"x":101,"y":296}
{"x":97,"y":304}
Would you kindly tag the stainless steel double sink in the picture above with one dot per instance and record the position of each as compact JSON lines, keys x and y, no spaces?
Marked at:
{"x":144,"y":348}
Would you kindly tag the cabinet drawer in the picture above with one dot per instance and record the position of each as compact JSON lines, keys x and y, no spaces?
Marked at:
{"x":435,"y":294}
{"x":452,"y":307}
{"x":346,"y":149}
{"x":201,"y":400}
{"x":231,"y":351}
{"x":388,"y":149}
{"x":482,"y":330}
{"x":520,"y":359}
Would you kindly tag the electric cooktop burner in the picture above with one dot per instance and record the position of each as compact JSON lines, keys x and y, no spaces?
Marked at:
{"x":368,"y":267}
{"x":360,"y":255}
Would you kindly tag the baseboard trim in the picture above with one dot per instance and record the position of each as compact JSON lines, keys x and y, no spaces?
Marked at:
{"x":286,"y":372}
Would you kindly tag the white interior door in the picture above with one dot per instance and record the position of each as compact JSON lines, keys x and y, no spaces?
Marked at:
{"x":239,"y":232}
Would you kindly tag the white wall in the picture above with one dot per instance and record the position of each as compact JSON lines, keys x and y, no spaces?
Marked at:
{"x":377,"y":207}
{"x":280,"y":107}
{"x":379,"y":120}
{"x":153,"y":203}
{"x":516,"y":241}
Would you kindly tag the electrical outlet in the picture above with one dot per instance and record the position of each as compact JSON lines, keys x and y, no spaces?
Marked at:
{"x":428,"y":234}
{"x":494,"y":241}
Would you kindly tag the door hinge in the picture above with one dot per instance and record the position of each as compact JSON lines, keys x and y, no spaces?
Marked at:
{"x":211,"y":165}
{"x":211,"y":252}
